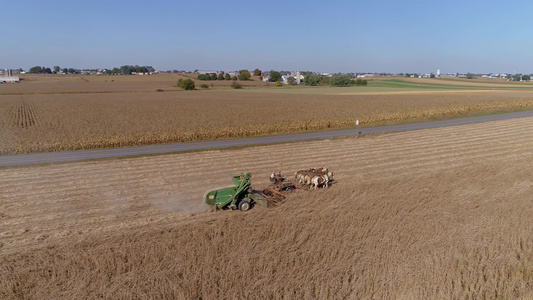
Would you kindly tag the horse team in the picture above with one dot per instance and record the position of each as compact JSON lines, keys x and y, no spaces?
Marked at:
{"x":314,"y":178}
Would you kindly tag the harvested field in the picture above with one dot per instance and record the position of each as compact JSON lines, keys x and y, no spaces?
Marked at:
{"x":86,"y":84}
{"x":432,"y":214}
{"x":75,"y":113}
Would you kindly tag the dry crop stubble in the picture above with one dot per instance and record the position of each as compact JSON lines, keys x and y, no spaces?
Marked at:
{"x":60,"y":122}
{"x":433,"y":214}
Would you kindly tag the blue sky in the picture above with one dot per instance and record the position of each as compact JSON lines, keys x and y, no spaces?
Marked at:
{"x":326,"y":36}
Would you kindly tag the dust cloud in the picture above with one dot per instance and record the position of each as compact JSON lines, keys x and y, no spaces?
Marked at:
{"x":179,"y":203}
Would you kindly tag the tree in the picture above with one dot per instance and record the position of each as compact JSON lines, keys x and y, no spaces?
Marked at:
{"x":526,"y":77}
{"x":213,"y":76}
{"x":313,"y":79}
{"x":35,"y":70}
{"x":40,"y":70}
{"x":274,"y":76}
{"x":340,"y":80}
{"x":234,"y":78}
{"x":257,"y":72}
{"x":128,"y":70}
{"x":244,"y":75}
{"x":204,"y":77}
{"x":220,"y":76}
{"x":291,"y":80}
{"x":227,"y":77}
{"x":431,"y":75}
{"x":517,"y":77}
{"x":187,"y":84}
{"x":56,"y":69}
{"x":469,"y":76}
{"x":359,"y":81}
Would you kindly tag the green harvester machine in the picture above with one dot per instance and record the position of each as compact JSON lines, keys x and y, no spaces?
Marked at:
{"x":241,"y":195}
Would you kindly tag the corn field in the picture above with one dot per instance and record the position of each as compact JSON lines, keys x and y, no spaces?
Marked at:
{"x":60,"y":122}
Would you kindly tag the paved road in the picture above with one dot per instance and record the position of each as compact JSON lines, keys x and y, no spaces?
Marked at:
{"x":44,"y":158}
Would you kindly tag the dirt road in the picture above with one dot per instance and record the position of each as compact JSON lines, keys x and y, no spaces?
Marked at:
{"x":42,"y":158}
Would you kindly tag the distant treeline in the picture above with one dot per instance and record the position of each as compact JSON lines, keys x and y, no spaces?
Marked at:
{"x":243,"y":75}
{"x":335,"y":80}
{"x":214,"y":76}
{"x":124,"y":70}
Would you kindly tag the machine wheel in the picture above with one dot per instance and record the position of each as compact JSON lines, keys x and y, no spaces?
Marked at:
{"x":288,"y":189}
{"x":244,"y":205}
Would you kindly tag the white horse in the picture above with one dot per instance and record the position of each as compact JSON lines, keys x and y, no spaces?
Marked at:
{"x":320,"y":180}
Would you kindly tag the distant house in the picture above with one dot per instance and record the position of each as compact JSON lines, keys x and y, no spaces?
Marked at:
{"x":369,"y":75}
{"x":208,"y":72}
{"x":285,"y":77}
{"x":299,"y":77}
{"x":296,"y":75}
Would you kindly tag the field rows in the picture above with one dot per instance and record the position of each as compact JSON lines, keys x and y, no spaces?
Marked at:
{"x":89,"y":121}
{"x":440,"y":213}
{"x":380,"y":156}
{"x":90,"y":191}
{"x":429,"y":214}
{"x":382,"y":152}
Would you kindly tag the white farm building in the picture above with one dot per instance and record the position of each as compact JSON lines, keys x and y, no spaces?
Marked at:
{"x":9,"y":79}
